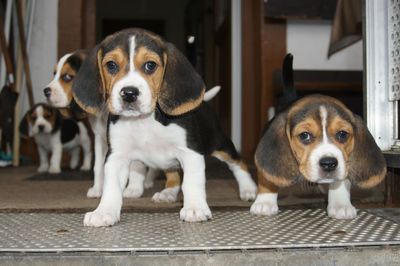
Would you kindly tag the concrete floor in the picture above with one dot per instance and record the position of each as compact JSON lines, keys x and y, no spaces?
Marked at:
{"x":19,"y":193}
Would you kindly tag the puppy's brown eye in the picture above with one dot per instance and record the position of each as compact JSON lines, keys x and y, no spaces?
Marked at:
{"x":149,"y":67}
{"x":342,"y":136}
{"x":112,"y":67}
{"x":306,"y":137}
{"x":67,"y":77}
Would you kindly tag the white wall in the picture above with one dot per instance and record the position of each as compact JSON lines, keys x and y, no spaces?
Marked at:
{"x":42,"y":50}
{"x":308,"y":41}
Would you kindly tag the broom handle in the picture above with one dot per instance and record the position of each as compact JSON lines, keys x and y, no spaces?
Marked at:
{"x":21,"y":34}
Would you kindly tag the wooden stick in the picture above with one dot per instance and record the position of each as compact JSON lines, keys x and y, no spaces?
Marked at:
{"x":21,"y":34}
{"x":17,"y":110}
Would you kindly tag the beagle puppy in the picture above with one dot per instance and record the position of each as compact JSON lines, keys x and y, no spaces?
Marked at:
{"x":59,"y":94}
{"x":53,"y":133}
{"x":157,"y":118}
{"x":317,"y":139}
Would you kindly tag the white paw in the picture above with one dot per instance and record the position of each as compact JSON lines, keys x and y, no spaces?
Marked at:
{"x":85,"y":168}
{"x":195,"y":214}
{"x":132,"y":192}
{"x":94,"y":192}
{"x":43,"y":168}
{"x":99,"y":218}
{"x":264,"y":208}
{"x":265,"y":204}
{"x":248,"y":192}
{"x":167,"y":195}
{"x":54,"y":170}
{"x":248,"y":195}
{"x":148,"y":184}
{"x":342,"y":211}
{"x":73,"y":165}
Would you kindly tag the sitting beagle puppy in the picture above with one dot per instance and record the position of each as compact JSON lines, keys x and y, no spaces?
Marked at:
{"x":52,"y":133}
{"x":59,"y":94}
{"x":157,"y":118}
{"x":319,"y":140}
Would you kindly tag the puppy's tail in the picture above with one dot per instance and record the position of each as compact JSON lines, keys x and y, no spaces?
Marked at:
{"x":208,"y":95}
{"x":289,"y":92}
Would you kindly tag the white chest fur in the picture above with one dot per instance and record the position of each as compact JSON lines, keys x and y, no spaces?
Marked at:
{"x":48,"y":141}
{"x":147,"y":140}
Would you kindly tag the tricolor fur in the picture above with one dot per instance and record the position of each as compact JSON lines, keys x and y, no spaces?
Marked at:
{"x":59,"y":94}
{"x":320,"y":140}
{"x":53,"y":134}
{"x":157,"y":118}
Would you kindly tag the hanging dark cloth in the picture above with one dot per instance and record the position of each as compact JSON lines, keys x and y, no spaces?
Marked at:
{"x":346,"y":26}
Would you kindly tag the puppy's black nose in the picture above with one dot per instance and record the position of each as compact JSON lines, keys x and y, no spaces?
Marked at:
{"x":47,"y":92}
{"x":328,"y":164}
{"x":129,"y":94}
{"x":41,"y":128}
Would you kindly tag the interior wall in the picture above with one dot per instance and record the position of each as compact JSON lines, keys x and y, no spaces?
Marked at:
{"x":42,"y":50}
{"x":172,"y":11}
{"x":308,"y":41}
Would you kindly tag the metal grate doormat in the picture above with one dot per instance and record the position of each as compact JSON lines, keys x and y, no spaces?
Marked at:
{"x":228,"y":230}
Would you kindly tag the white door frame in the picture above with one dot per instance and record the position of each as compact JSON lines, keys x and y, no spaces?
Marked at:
{"x":236,"y":73}
{"x":381,"y":101}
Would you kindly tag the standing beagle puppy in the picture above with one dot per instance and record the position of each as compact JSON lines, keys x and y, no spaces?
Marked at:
{"x":317,"y":139}
{"x":59,"y":94}
{"x":53,"y":134}
{"x":157,"y":118}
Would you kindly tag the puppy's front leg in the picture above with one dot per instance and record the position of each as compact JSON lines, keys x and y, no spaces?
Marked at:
{"x":195,"y":207}
{"x":339,"y":204}
{"x":74,"y":157}
{"x":55,"y":160}
{"x":171,"y":190}
{"x":44,"y":164}
{"x":137,"y":172}
{"x":100,"y":147}
{"x":266,"y":202}
{"x":86,"y":147}
{"x":150,"y":176}
{"x":115,"y":176}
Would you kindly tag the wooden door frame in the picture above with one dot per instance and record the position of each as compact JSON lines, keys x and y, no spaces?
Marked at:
{"x":76,"y":25}
{"x":263,"y":49}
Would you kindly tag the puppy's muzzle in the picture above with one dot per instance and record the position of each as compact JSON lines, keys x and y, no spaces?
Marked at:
{"x":129,"y":94}
{"x":328,"y":164}
{"x":41,"y":128}
{"x":47,"y":92}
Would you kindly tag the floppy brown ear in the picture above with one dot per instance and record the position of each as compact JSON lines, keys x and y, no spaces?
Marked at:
{"x":367,"y":166}
{"x":274,"y":157}
{"x":24,"y":126}
{"x":87,"y":86}
{"x":182,"y":89}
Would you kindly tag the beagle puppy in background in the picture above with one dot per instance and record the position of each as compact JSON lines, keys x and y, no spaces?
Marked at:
{"x":53,"y":134}
{"x":59,"y":94}
{"x":157,"y":118}
{"x":316,"y":139}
